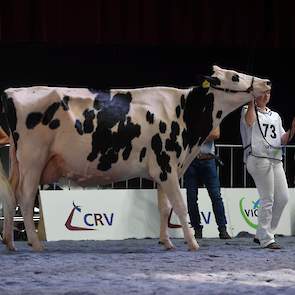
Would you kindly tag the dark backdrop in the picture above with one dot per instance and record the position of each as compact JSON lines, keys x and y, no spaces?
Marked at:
{"x":135,"y":43}
{"x":105,"y":66}
{"x":226,"y":23}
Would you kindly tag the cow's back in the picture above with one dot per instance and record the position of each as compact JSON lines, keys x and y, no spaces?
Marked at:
{"x":97,"y":136}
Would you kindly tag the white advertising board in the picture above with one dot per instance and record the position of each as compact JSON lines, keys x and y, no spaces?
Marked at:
{"x":99,"y":214}
{"x":114,"y":214}
{"x":242,"y":208}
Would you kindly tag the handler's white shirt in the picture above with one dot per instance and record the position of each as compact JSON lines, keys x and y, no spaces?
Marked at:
{"x":253,"y":141}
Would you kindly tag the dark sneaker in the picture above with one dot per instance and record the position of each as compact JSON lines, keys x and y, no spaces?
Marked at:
{"x":199,"y":233}
{"x":223,"y":234}
{"x":255,"y":240}
{"x":273,"y":246}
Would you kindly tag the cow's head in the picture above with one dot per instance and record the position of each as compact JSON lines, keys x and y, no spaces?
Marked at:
{"x":232,"y":89}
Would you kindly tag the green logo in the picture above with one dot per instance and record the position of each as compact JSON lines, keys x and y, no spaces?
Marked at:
{"x":248,"y":214}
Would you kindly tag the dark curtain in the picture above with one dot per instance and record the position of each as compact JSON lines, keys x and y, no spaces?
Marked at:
{"x":227,"y":23}
{"x":135,"y":43}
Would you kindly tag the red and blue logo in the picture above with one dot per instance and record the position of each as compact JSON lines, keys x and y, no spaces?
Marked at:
{"x":91,"y":221}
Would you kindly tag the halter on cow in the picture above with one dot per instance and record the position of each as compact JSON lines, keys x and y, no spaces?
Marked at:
{"x":96,"y":137}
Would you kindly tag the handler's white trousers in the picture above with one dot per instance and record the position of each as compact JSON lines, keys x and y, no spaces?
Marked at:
{"x":270,"y":180}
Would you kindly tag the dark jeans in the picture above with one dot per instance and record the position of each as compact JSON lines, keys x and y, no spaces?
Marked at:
{"x":198,"y":173}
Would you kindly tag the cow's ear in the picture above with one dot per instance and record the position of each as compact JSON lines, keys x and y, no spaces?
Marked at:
{"x":216,"y":68}
{"x":212,"y":80}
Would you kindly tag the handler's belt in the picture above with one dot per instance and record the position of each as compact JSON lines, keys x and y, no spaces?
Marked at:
{"x":205,"y":156}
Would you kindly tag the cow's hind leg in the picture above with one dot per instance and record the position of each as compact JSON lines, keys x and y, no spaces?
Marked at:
{"x":26,"y":200}
{"x":164,"y":208}
{"x":9,"y":205}
{"x":9,"y":195}
{"x":172,"y":189}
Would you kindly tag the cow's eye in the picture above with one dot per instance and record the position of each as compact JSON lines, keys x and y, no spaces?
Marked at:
{"x":235,"y":78}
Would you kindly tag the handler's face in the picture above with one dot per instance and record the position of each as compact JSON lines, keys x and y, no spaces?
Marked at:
{"x":263,"y":100}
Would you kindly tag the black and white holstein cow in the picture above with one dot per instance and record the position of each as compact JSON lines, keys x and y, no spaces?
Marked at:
{"x":99,"y":137}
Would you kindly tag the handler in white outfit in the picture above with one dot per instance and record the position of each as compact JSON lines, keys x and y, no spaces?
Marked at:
{"x":262,"y":141}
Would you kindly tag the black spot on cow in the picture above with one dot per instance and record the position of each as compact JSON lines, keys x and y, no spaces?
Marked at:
{"x":65,"y":103}
{"x":162,"y":157}
{"x":50,"y":112}
{"x":124,"y":136}
{"x":198,"y":115}
{"x":126,"y":152}
{"x":171,"y":143}
{"x":88,"y":126}
{"x":184,"y":138}
{"x":162,"y":127}
{"x":115,"y":110}
{"x":142,"y":154}
{"x":235,"y":78}
{"x":182,"y":101}
{"x":33,"y":119}
{"x":107,"y":159}
{"x":108,"y":143}
{"x":54,"y":124}
{"x":78,"y":126}
{"x":15,"y":136}
{"x":102,"y":139}
{"x":10,"y":112}
{"x":214,"y":81}
{"x":156,"y":144}
{"x":150,"y":117}
{"x":96,"y":103}
{"x":163,"y":176}
{"x":219,"y":114}
{"x":177,"y":111}
{"x":114,"y":142}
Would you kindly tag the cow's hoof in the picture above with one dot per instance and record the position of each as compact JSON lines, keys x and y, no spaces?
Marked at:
{"x":10,"y":247}
{"x":9,"y":244}
{"x":37,"y":248}
{"x":173,"y":248}
{"x":193,"y":247}
{"x":167,"y":244}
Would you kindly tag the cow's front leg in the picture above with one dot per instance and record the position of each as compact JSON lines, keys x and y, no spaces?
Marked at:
{"x":26,"y":202}
{"x":164,"y":208}
{"x":172,"y":189}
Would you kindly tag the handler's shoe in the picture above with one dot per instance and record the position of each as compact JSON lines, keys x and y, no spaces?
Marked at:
{"x":255,"y":240}
{"x":273,"y":246}
{"x":223,"y":234}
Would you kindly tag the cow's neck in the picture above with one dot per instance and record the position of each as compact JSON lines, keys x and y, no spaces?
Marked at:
{"x":190,"y":156}
{"x":198,"y":115}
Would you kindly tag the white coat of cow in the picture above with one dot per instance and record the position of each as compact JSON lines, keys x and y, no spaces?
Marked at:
{"x":102,"y":137}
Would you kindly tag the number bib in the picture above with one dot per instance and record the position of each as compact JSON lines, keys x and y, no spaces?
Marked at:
{"x":271,"y":127}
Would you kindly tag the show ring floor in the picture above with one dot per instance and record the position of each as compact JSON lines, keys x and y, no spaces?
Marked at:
{"x":236,"y":266}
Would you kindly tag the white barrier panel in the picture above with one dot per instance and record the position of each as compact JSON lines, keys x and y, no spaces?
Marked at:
{"x":242,"y":208}
{"x":121,"y":214}
{"x":292,"y":209}
{"x":99,"y":214}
